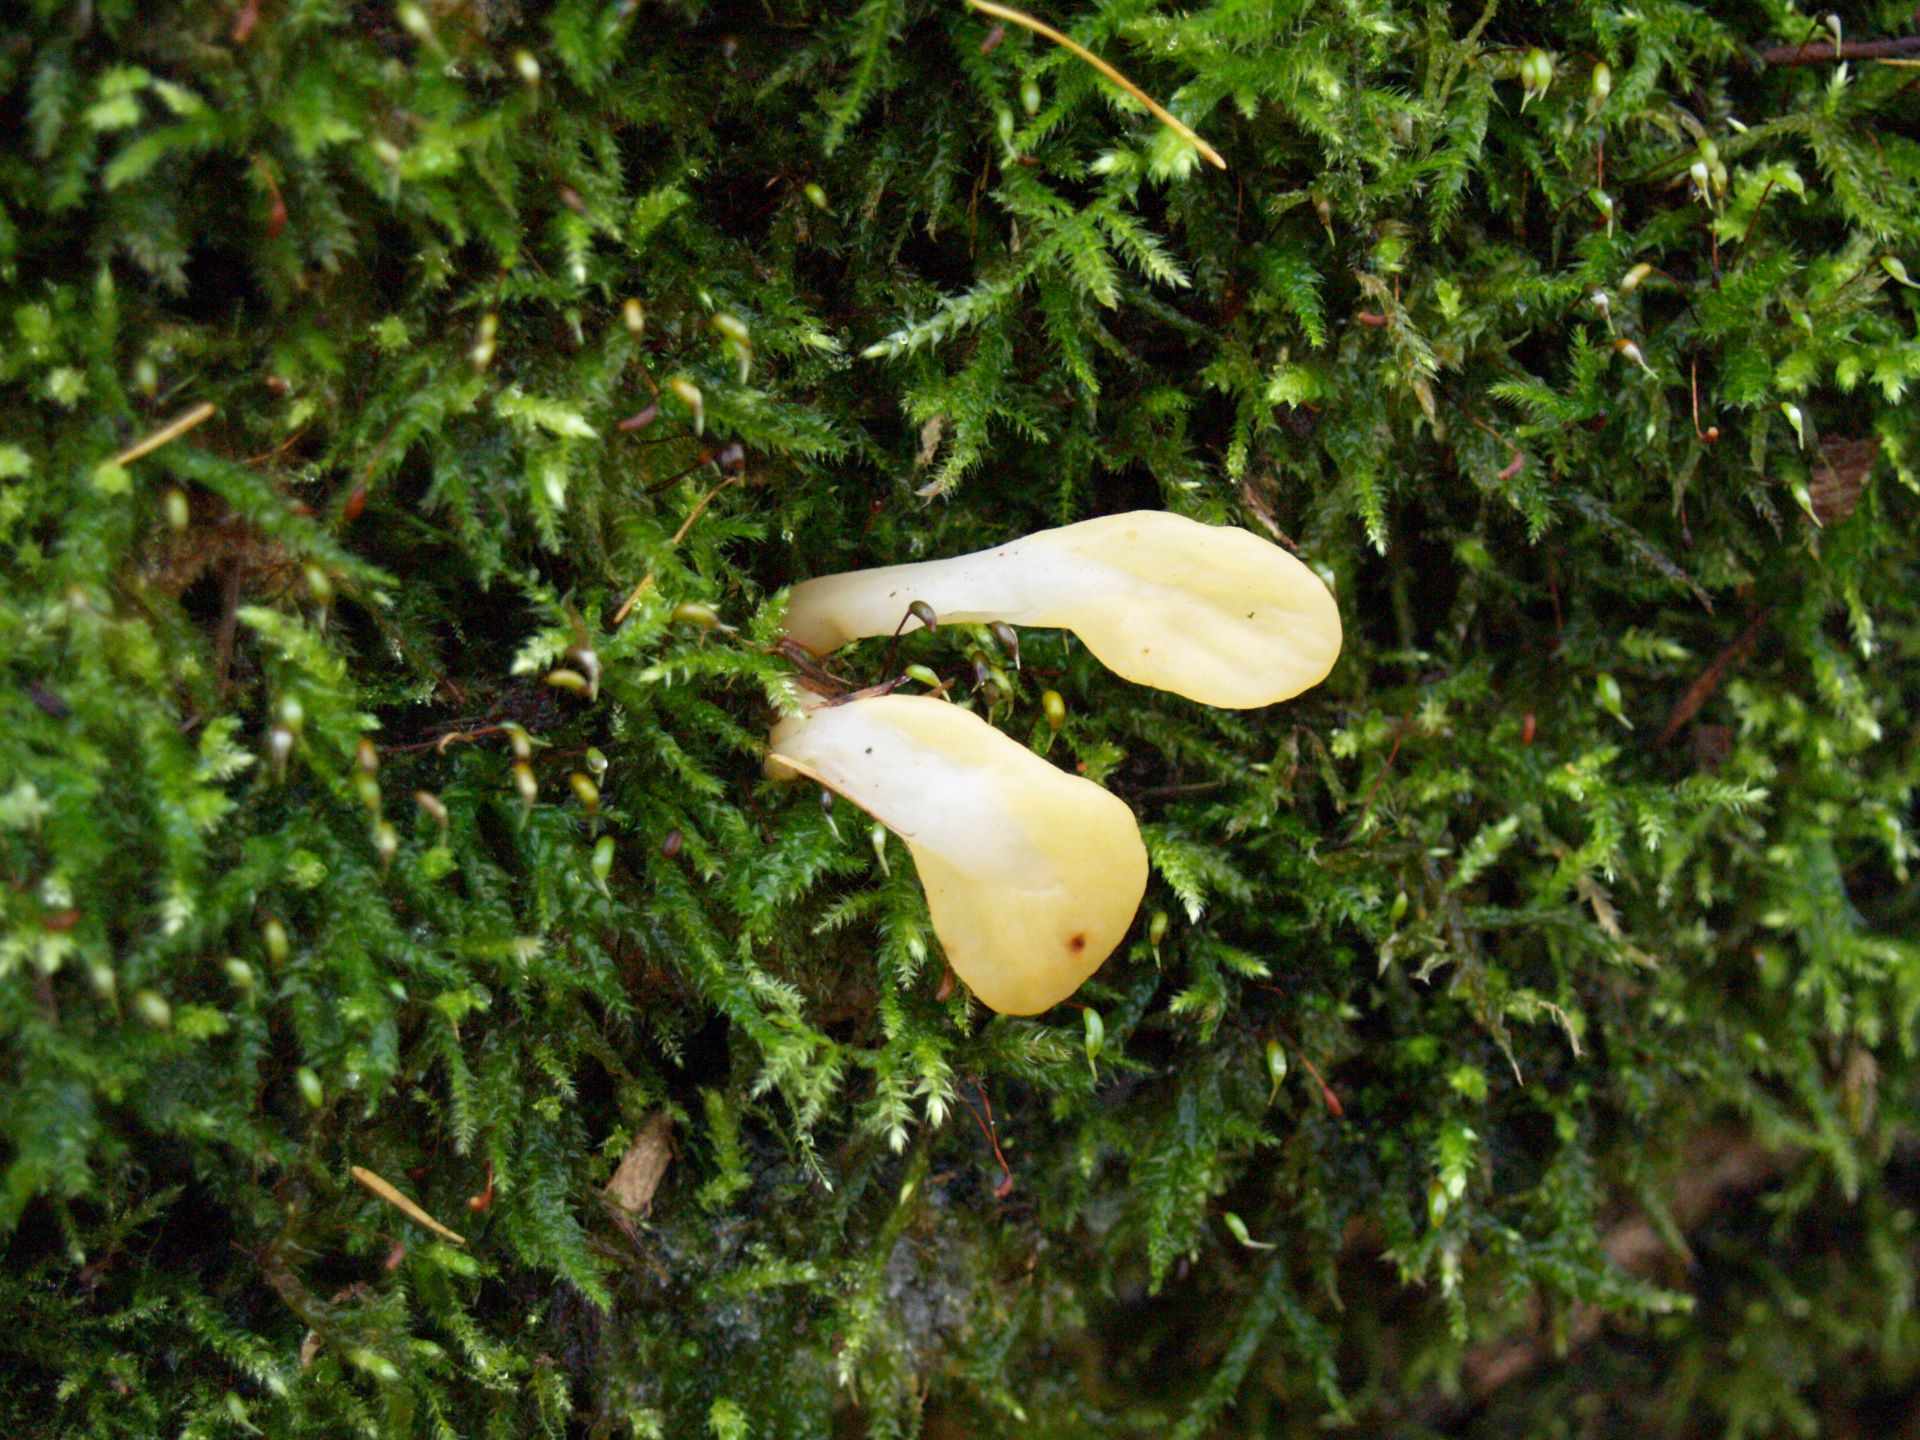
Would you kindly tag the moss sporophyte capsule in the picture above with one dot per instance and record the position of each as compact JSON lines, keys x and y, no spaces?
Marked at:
{"x":695,"y":612}
{"x":689,"y":395}
{"x":1536,"y":75}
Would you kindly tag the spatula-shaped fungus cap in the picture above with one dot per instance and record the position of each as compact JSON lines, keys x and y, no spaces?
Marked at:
{"x":1211,"y":612}
{"x":1032,"y":875}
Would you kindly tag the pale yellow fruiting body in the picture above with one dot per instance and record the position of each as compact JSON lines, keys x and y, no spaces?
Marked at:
{"x":1032,"y":875}
{"x":1211,"y":612}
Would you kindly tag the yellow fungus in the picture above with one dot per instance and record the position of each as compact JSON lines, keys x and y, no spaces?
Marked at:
{"x":1211,"y":612}
{"x":1032,"y":875}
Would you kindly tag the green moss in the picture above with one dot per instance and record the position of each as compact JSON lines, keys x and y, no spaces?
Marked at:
{"x":1578,"y":899}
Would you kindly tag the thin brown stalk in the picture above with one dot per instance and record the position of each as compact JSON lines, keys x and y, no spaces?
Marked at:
{"x":1821,"y":52}
{"x":646,"y":581}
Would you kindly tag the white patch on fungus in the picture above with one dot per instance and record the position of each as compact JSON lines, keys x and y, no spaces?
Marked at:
{"x":1211,"y":612}
{"x":1032,"y":875}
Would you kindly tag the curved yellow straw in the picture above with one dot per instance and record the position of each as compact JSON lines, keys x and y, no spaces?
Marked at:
{"x":1160,"y":112}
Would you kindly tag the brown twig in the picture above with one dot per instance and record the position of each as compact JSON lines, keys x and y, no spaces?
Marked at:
{"x":1810,"y":52}
{"x":1701,"y":691}
{"x":440,"y":743}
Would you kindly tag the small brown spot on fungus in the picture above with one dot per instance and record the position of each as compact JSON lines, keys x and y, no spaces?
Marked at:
{"x":1077,"y":943}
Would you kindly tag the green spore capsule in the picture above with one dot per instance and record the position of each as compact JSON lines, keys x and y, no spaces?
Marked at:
{"x":1237,"y":1228}
{"x":319,"y":586}
{"x":587,"y":792}
{"x":1536,"y":75}
{"x":689,"y":395}
{"x":518,"y":738}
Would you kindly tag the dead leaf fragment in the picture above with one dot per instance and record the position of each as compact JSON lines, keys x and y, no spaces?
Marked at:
{"x":1595,"y":894}
{"x":643,"y":1166}
{"x":1840,"y":476}
{"x":930,"y":434}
